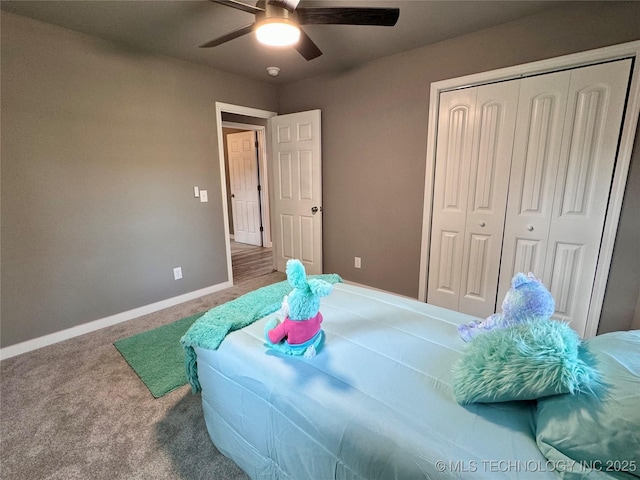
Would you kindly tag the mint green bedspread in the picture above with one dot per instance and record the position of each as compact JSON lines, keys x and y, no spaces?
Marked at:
{"x":210,"y":329}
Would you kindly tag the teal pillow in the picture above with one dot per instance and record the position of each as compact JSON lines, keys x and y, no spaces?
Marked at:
{"x":526,"y":361}
{"x":598,"y":436}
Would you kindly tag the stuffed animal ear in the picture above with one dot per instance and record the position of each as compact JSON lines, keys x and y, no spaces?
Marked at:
{"x":520,"y":279}
{"x":296,"y":274}
{"x":319,"y":287}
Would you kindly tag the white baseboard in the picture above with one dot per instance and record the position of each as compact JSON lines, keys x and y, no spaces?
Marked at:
{"x":34,"y":344}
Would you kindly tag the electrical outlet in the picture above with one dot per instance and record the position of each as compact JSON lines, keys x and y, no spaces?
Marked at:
{"x":358,"y":262}
{"x":177,"y":273}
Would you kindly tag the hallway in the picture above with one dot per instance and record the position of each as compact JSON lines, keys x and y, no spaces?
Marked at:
{"x":250,"y":261}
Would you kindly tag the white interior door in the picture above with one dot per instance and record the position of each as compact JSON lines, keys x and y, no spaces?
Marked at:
{"x":596,"y":101}
{"x":244,"y":180}
{"x":473,"y":158}
{"x":564,"y":155}
{"x":450,"y":196}
{"x":496,"y":110}
{"x":297,"y":193}
{"x":541,"y":109}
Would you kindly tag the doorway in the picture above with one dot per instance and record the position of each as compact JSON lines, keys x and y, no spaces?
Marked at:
{"x":245,"y":261}
{"x":295,"y":140}
{"x":248,"y":217}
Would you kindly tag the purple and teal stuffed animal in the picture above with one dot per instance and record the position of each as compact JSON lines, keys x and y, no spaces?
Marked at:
{"x":527,"y":299}
{"x":300,"y":332}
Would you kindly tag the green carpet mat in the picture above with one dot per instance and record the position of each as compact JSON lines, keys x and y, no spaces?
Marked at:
{"x":157,"y":356}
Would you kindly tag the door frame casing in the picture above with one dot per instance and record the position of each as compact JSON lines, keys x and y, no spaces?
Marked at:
{"x":623,"y":158}
{"x":248,"y":112}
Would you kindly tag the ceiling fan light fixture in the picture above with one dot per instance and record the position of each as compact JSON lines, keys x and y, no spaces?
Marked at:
{"x":277,"y":32}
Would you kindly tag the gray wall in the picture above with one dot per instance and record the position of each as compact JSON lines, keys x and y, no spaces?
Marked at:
{"x":101,"y":148}
{"x":374,"y":124}
{"x":620,"y":311}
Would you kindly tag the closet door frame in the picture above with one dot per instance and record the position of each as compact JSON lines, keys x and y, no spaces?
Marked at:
{"x":615,"y":52}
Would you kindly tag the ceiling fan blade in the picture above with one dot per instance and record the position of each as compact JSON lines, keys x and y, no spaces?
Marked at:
{"x":239,"y":6}
{"x":229,"y":36}
{"x":385,"y":17}
{"x":288,"y":4}
{"x":306,"y":47}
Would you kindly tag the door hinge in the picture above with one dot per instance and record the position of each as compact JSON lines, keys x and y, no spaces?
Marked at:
{"x":257,"y":144}
{"x":259,"y":188}
{"x":261,"y":228}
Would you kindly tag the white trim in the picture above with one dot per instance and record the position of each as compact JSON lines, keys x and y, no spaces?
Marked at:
{"x":248,"y":112}
{"x":264,"y":184}
{"x":581,"y":59}
{"x":428,"y":192}
{"x":616,"y":197}
{"x":625,"y":50}
{"x":34,"y":344}
{"x":242,"y":126}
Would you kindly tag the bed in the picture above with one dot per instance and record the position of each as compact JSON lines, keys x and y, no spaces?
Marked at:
{"x":375,"y":403}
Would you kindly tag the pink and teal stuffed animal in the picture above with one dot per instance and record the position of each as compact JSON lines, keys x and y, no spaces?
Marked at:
{"x":300,"y":332}
{"x":527,"y":299}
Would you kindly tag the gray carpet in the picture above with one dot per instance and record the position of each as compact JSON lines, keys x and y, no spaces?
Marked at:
{"x":76,"y":410}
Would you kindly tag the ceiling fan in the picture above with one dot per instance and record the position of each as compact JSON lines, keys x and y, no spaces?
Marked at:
{"x":277,"y":22}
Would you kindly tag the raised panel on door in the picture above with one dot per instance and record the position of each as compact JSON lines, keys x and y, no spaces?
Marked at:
{"x":451,"y":181}
{"x":286,"y":230}
{"x":536,"y":149}
{"x":592,"y":126}
{"x":286,"y":192}
{"x":305,"y":232}
{"x":495,"y":117}
{"x":567,"y":262}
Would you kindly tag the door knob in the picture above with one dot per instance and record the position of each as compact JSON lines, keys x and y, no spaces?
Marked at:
{"x":314,"y":210}
{"x":530,"y":228}
{"x":482,"y":224}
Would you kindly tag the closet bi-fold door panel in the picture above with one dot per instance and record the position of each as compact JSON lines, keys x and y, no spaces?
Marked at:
{"x":453,"y":158}
{"x":536,"y":151}
{"x":495,"y":119}
{"x":591,"y":131}
{"x":563,"y":161}
{"x":475,"y":135}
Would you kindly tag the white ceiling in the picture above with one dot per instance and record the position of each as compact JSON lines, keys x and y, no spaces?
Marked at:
{"x":176,"y":28}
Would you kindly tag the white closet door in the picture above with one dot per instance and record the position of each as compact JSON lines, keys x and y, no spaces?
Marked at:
{"x":494,"y":125}
{"x":453,"y":159}
{"x":590,"y":138}
{"x":536,"y":150}
{"x":564,"y":153}
{"x":475,"y":138}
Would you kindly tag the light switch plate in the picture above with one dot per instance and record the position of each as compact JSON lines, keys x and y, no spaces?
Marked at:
{"x":203,"y":196}
{"x":196,"y":192}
